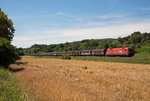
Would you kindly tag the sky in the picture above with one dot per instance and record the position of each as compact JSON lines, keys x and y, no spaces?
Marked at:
{"x":61,"y":21}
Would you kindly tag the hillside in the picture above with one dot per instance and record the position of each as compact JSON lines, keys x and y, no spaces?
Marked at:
{"x":135,"y":40}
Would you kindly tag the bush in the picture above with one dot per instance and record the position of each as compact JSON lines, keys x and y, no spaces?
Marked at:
{"x":8,"y":53}
{"x":66,"y":57}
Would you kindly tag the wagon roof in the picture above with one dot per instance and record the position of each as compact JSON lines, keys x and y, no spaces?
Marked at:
{"x":97,"y":49}
{"x":85,"y":50}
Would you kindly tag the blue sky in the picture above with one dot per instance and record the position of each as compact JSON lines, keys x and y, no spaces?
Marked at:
{"x":60,"y":21}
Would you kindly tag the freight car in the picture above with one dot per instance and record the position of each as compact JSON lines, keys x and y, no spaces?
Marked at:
{"x":95,"y":52}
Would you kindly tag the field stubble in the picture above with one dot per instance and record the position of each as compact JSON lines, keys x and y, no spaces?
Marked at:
{"x":74,"y":80}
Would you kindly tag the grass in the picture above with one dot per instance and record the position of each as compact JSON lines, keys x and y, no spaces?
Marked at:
{"x":67,"y":57}
{"x":143,"y":49}
{"x":142,"y":52}
{"x":135,"y":61}
{"x":10,"y":88}
{"x":113,"y":60}
{"x":52,"y":57}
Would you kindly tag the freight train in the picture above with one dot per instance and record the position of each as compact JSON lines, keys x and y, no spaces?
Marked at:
{"x":126,"y":52}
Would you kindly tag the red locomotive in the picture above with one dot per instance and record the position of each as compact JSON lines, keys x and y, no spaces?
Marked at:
{"x":95,"y":52}
{"x":120,"y":52}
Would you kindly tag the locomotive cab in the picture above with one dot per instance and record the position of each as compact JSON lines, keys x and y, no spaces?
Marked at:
{"x":130,"y":52}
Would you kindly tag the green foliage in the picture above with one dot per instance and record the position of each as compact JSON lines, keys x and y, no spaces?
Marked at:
{"x":8,"y":53}
{"x":102,"y":45}
{"x":20,"y":51}
{"x":66,"y":57}
{"x":136,"y":37}
{"x":6,"y":26}
{"x":116,"y":44}
{"x":9,"y":89}
{"x":83,"y":46}
{"x":93,"y":43}
{"x":132,"y":46}
{"x":75,"y":46}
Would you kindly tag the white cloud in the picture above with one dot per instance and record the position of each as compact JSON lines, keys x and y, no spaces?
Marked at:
{"x":111,"y":16}
{"x":143,"y":9}
{"x":61,"y":13}
{"x":71,"y":34}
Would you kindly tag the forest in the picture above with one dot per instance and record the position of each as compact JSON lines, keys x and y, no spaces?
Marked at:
{"x":134,"y":40}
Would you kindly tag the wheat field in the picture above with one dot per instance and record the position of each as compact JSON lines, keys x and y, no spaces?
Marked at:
{"x":74,"y":80}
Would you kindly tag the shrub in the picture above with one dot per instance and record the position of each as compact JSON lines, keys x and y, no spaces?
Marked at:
{"x":66,"y":57}
{"x":8,"y":53}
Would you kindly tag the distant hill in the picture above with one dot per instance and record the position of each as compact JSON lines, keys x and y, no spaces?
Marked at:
{"x":135,"y":40}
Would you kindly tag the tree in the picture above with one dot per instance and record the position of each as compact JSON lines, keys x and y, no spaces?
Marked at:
{"x":75,"y":46}
{"x":120,"y":40}
{"x":93,"y":43}
{"x":136,"y":37}
{"x":8,"y":53}
{"x":6,"y":26}
{"x":102,"y":45}
{"x":20,"y":51}
{"x":116,"y":44}
{"x":83,"y":46}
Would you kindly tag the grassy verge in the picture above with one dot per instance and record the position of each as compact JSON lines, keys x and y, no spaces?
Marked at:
{"x":136,"y":61}
{"x":142,"y":52}
{"x":10,"y":88}
{"x":52,"y":57}
{"x":113,"y":60}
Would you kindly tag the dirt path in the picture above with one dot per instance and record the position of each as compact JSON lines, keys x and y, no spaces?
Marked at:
{"x":72,"y":80}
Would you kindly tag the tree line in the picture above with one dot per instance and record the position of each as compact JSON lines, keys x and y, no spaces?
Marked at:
{"x":135,"y":40}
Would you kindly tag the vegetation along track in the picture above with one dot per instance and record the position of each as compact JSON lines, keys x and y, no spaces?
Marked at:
{"x":74,"y":80}
{"x":122,"y":58}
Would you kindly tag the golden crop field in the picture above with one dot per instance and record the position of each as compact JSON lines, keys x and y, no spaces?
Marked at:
{"x":74,"y":80}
